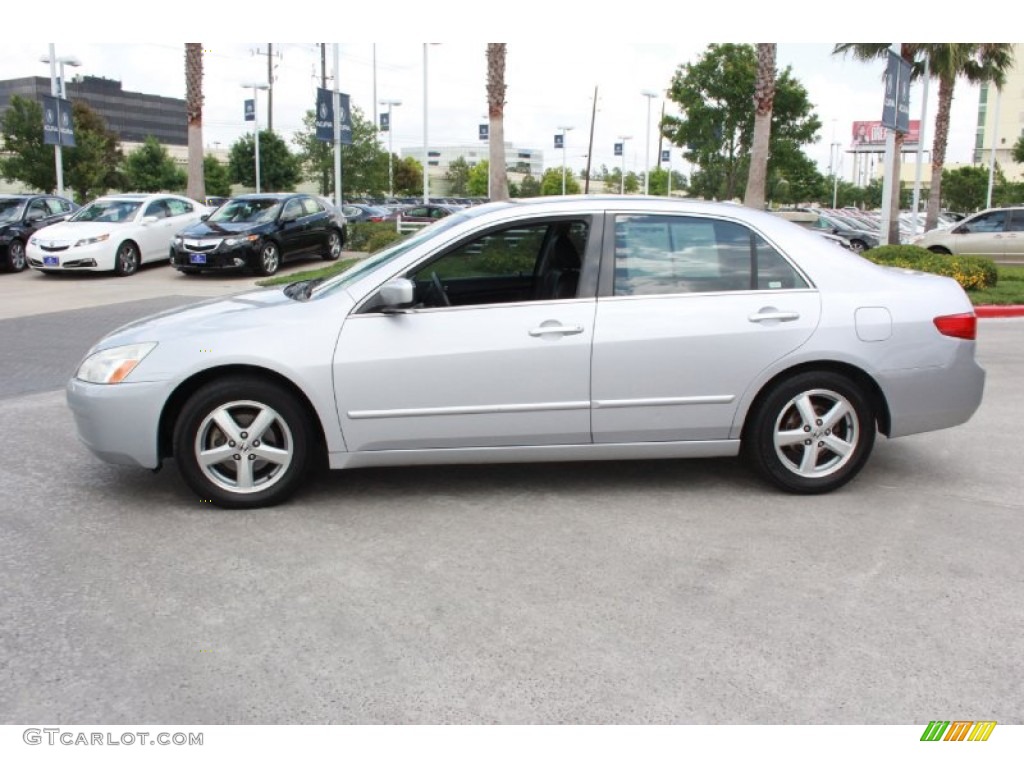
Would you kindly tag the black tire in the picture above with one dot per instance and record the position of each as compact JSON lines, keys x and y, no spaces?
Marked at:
{"x":126,"y":260}
{"x":858,"y":246}
{"x":813,"y":457}
{"x":940,"y":250}
{"x":16,"y":260}
{"x":287,"y":436}
{"x":268,"y":260}
{"x":334,"y":243}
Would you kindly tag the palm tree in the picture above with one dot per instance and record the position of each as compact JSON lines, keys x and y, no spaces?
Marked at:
{"x":764,"y":99}
{"x":196,"y":188}
{"x":978,"y":62}
{"x":496,"y":114}
{"x":867,"y":52}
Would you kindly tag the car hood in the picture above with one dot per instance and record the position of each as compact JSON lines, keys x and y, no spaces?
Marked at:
{"x":212,"y":316}
{"x":76,"y":230}
{"x":224,"y":229}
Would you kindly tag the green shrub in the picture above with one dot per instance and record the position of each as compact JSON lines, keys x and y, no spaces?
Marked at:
{"x":972,"y":272}
{"x":361,"y":232}
{"x":383,"y":238}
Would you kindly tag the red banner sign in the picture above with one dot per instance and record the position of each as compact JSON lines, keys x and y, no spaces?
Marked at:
{"x":871,"y":133}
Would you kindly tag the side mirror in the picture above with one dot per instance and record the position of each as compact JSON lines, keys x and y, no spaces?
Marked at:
{"x":148,"y":219}
{"x":960,"y":230}
{"x":397,"y":293}
{"x":204,"y":217}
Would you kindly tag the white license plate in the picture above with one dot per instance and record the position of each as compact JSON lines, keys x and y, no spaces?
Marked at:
{"x":51,"y":261}
{"x":197,"y":258}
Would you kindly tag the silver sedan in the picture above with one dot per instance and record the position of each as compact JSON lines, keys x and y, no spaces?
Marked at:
{"x":576,"y":328}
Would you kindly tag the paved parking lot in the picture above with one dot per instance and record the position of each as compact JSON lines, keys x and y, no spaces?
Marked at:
{"x":648,"y":592}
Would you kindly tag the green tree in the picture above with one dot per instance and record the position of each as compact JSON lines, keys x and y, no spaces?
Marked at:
{"x":90,"y":167}
{"x":1018,"y":150}
{"x":457,"y":176}
{"x":150,"y":168}
{"x":364,"y":162}
{"x":529,"y":187}
{"x":408,"y":176}
{"x":26,"y":158}
{"x":279,"y":168}
{"x":659,"y":182}
{"x":717,"y":130}
{"x":215,"y":176}
{"x":551,"y":182}
{"x":612,"y":179}
{"x":632,"y":183}
{"x":479,"y":179}
{"x":965,"y":189}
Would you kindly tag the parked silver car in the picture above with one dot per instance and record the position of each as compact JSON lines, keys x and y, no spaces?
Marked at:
{"x":562,"y":329}
{"x":995,"y":233}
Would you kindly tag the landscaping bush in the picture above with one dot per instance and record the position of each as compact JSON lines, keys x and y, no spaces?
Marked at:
{"x":361,"y":233}
{"x":383,"y":238}
{"x":972,"y":272}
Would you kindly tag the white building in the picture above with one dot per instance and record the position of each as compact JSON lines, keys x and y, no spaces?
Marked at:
{"x":519,"y":160}
{"x":1009,"y":104}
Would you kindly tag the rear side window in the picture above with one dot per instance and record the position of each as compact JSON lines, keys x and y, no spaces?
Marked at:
{"x":690,"y":254}
{"x":311,"y":206}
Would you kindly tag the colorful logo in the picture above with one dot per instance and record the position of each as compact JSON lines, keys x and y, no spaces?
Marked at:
{"x":958,"y":730}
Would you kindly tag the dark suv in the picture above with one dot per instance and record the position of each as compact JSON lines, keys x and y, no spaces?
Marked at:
{"x":260,"y":232}
{"x":20,"y":217}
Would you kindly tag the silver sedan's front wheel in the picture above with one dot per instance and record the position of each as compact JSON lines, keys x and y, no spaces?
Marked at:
{"x":242,"y":443}
{"x":811,"y":433}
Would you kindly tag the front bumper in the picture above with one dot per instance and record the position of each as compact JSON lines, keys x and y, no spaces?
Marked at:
{"x":235,"y":257}
{"x":94,"y":257}
{"x":119,"y":422}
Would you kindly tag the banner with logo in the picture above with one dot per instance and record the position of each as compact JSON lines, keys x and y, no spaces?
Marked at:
{"x":666,"y":155}
{"x":385,"y":122}
{"x":250,"y":109}
{"x":559,"y":141}
{"x":618,"y":148}
{"x":896,"y":105}
{"x":325,"y":116}
{"x":484,"y":131}
{"x":57,"y":125}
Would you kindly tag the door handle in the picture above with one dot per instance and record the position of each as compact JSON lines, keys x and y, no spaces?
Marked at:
{"x":563,"y":330}
{"x":772,"y":314}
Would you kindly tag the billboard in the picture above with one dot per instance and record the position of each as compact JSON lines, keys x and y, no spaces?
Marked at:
{"x":869,"y":136}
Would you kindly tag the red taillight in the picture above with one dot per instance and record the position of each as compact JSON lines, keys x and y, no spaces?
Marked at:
{"x":376,"y":218}
{"x":963,"y":326}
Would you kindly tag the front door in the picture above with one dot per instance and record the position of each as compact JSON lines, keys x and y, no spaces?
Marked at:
{"x":497,"y":353}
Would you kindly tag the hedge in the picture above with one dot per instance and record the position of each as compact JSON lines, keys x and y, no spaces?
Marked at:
{"x":371,"y":235}
{"x":972,"y":272}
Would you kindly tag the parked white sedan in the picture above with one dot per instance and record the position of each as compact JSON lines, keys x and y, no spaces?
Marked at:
{"x":114,"y":233}
{"x":562,"y":329}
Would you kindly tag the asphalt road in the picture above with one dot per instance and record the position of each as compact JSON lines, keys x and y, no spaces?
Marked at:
{"x":648,"y":592}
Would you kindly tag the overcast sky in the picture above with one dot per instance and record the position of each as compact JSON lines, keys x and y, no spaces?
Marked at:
{"x":550,"y":79}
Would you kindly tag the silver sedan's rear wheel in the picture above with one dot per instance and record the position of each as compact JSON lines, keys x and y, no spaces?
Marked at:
{"x":242,"y":443}
{"x":812,"y":433}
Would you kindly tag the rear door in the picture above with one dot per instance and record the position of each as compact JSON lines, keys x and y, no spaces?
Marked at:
{"x":691,"y":309}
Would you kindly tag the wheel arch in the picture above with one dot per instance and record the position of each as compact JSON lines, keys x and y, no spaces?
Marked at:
{"x":940,"y":249}
{"x":859,"y":376}
{"x":185,"y":390}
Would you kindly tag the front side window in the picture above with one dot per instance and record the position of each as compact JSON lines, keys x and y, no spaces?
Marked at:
{"x":529,"y":262}
{"x":988,"y":222}
{"x":689,"y":254}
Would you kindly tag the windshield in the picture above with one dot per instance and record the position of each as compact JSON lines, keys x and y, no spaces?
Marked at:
{"x":10,"y":210}
{"x":115,"y":211}
{"x":246,"y":211}
{"x":370,"y":263}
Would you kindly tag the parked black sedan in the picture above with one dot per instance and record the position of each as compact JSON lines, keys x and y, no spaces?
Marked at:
{"x":260,"y":232}
{"x":20,"y":217}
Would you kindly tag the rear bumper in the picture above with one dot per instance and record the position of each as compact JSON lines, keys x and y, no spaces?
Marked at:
{"x":926,"y":399}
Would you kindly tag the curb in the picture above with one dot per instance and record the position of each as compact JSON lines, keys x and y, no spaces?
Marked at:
{"x":999,"y":310}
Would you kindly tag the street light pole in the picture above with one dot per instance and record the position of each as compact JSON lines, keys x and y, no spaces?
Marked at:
{"x":57,"y":88}
{"x":426,"y":154}
{"x":647,"y":147}
{"x":256,"y":124}
{"x":564,"y":129}
{"x":622,"y":173}
{"x":389,"y":103}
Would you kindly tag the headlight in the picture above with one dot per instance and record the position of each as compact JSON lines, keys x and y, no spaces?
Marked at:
{"x":233,"y":241}
{"x":91,"y":240}
{"x":112,"y":366}
{"x":177,"y":240}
